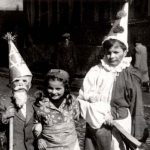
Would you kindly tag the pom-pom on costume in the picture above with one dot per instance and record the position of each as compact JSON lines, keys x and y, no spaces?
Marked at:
{"x":114,"y":90}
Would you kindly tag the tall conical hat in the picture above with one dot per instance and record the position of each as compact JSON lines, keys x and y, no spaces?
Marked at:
{"x":17,"y":66}
{"x":119,"y":29}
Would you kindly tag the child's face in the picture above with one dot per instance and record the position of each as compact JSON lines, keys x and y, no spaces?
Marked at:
{"x":22,"y":83}
{"x":115,"y":54}
{"x":55,"y":89}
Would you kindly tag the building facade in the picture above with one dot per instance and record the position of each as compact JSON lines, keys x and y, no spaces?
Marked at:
{"x":42,"y":22}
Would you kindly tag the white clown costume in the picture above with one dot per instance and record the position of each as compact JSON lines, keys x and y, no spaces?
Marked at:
{"x":112,"y":90}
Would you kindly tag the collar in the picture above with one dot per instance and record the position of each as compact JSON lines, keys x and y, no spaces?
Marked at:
{"x":126,"y":61}
{"x":46,"y":103}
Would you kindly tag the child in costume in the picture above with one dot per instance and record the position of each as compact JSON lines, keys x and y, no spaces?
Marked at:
{"x":19,"y":106}
{"x":111,"y":91}
{"x":55,"y":114}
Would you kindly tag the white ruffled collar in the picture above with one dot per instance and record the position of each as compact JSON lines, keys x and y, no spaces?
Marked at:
{"x":126,"y":61}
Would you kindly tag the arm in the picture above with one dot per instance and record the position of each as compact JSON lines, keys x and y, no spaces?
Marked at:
{"x":139,"y":127}
{"x":3,"y":119}
{"x":37,"y":129}
{"x":83,"y":97}
{"x":6,"y":111}
{"x":92,"y":110}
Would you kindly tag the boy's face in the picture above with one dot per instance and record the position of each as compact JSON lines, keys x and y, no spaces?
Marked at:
{"x":21,"y":83}
{"x":115,"y":54}
{"x":55,"y":89}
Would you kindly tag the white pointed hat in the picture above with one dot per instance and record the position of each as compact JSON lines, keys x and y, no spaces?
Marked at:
{"x":17,"y":66}
{"x":119,"y":29}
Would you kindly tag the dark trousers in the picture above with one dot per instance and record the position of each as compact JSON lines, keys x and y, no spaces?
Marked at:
{"x":98,"y":139}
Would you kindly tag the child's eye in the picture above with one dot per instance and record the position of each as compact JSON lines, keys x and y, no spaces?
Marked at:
{"x":16,"y":81}
{"x":24,"y":80}
{"x":49,"y":88}
{"x":115,"y":52}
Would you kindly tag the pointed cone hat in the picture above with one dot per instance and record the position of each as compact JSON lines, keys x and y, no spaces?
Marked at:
{"x":119,"y":29}
{"x":17,"y":66}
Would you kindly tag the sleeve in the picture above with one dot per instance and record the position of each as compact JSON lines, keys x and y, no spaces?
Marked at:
{"x":84,"y":96}
{"x":139,"y":127}
{"x":76,"y":109}
{"x":37,"y":127}
{"x":38,"y":102}
{"x":89,"y":84}
{"x":3,"y":106}
{"x":93,"y":112}
{"x":37,"y":116}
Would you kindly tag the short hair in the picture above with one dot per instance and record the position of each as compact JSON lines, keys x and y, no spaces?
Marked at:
{"x":109,"y":43}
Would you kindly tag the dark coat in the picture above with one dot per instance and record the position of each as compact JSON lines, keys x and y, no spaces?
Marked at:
{"x":127,"y":93}
{"x":23,"y":137}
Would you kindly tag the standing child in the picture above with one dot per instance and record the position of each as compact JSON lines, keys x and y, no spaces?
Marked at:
{"x":111,"y":91}
{"x":19,"y":105}
{"x":55,"y":114}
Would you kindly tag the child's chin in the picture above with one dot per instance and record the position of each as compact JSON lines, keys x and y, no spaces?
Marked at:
{"x":114,"y":64}
{"x":55,"y":98}
{"x":19,"y":106}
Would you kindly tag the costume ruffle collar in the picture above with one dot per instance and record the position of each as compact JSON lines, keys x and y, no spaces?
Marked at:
{"x":126,"y":61}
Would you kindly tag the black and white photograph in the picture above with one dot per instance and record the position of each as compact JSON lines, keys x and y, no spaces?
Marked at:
{"x":74,"y":74}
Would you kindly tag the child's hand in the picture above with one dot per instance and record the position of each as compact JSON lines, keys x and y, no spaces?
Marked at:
{"x":42,"y":144}
{"x":10,"y":112}
{"x":37,"y":129}
{"x":108,"y":119}
{"x":92,"y":99}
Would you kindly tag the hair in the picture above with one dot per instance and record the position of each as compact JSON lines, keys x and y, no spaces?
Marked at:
{"x":109,"y":43}
{"x":66,"y":83}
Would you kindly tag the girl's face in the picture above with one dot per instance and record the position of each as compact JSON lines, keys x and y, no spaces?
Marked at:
{"x":115,"y":54}
{"x":55,"y":89}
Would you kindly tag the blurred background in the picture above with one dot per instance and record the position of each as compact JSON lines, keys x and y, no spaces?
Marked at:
{"x":39,"y":25}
